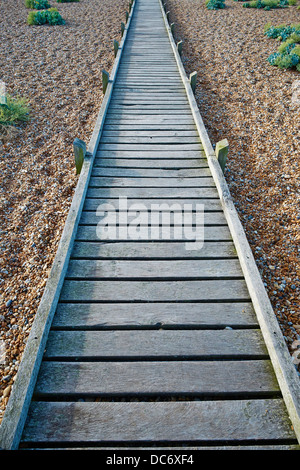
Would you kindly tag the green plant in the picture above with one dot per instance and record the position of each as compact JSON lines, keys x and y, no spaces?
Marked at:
{"x":16,"y":109}
{"x":214,"y":4}
{"x":292,"y":2}
{"x":37,"y":4}
{"x":266,"y":4}
{"x":288,"y":53}
{"x":50,"y":16}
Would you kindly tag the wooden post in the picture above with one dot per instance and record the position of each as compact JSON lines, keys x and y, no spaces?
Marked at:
{"x":3,"y":96}
{"x":172,"y":27}
{"x":193,"y":79}
{"x":122,"y":28}
{"x":127,"y":16}
{"x":179,"y":47}
{"x":116,"y":47}
{"x":222,"y":148}
{"x":79,"y":151}
{"x":165,"y":6}
{"x":105,"y":79}
{"x":167,"y":15}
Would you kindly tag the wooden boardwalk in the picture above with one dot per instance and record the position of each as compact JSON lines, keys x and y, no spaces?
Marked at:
{"x":152,"y":343}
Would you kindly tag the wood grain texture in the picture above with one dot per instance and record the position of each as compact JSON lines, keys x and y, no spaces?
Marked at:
{"x":153,"y":315}
{"x":207,"y":378}
{"x":141,"y":344}
{"x":208,"y":421}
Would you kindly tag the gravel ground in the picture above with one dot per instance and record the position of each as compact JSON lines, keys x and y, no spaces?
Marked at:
{"x":243,"y":98}
{"x":58,"y":69}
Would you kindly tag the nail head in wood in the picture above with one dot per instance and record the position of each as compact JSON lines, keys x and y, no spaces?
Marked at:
{"x":222,"y":148}
{"x":193,"y":80}
{"x":105,"y":79}
{"x":79,"y":147}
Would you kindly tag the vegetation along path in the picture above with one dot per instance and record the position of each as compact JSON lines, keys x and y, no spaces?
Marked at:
{"x":160,"y":340}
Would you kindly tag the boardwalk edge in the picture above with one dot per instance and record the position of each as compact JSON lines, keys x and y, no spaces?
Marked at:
{"x":279,"y":354}
{"x":17,"y":407}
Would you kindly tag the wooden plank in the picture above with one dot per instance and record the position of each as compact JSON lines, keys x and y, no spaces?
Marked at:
{"x":205,"y":379}
{"x":167,"y":164}
{"x":154,"y":291}
{"x":150,"y":250}
{"x":153,"y":153}
{"x":153,"y":269}
{"x":154,"y":315}
{"x":209,"y":204}
{"x":155,"y":233}
{"x":150,"y":172}
{"x":109,"y":132}
{"x":162,"y":217}
{"x":155,"y":344}
{"x":197,"y":421}
{"x":111,"y":182}
{"x":141,"y":140}
{"x":143,"y":192}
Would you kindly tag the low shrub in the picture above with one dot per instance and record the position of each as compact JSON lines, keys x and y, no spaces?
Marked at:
{"x":16,"y":109}
{"x":215,"y":4}
{"x":292,"y":2}
{"x":288,"y":53}
{"x":50,"y":16}
{"x":37,"y":4}
{"x":266,"y":4}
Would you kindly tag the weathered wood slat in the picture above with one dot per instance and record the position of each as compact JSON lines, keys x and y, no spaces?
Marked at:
{"x":110,"y":132}
{"x":150,"y":172}
{"x":151,"y":154}
{"x":137,"y":182}
{"x":205,"y":378}
{"x":143,"y":315}
{"x":155,"y":233}
{"x":161,"y":217}
{"x":142,"y":192}
{"x":207,"y":421}
{"x":150,"y":140}
{"x":149,"y":269}
{"x":167,"y":164}
{"x":150,"y":344}
{"x":154,"y":291}
{"x":149,"y":250}
{"x":149,"y":204}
